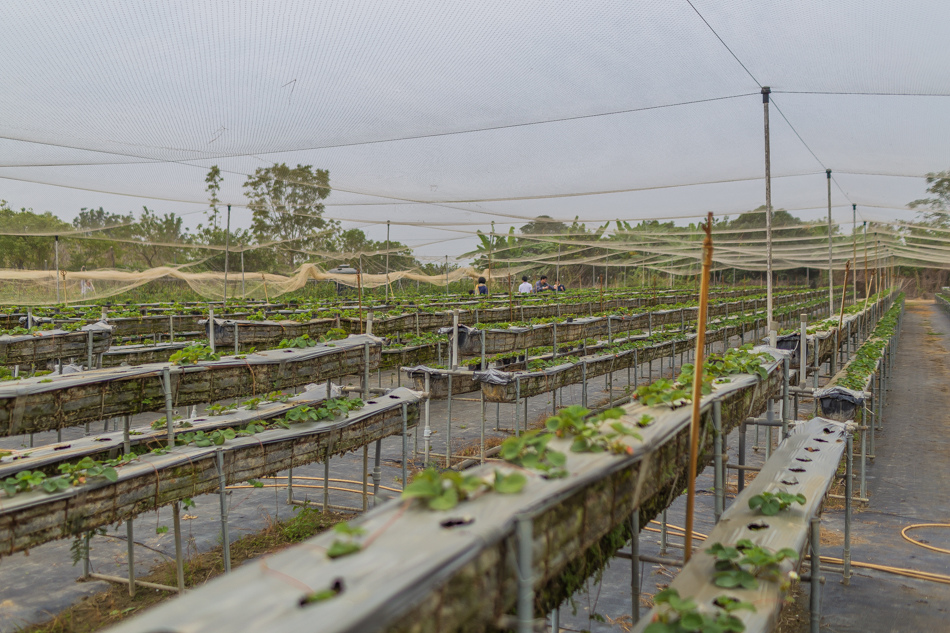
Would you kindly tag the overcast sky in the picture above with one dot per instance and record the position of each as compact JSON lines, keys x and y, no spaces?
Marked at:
{"x":457,"y":114}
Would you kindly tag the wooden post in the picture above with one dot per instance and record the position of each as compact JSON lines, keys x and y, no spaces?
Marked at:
{"x":698,"y":387}
{"x":844,"y":293}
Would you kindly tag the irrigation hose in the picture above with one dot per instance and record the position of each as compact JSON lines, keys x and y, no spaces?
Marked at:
{"x":900,"y":571}
{"x":925,"y":525}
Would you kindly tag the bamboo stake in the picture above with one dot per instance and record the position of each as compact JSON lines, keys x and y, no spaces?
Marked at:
{"x":266,"y":298}
{"x":698,"y":387}
{"x":847,"y":269}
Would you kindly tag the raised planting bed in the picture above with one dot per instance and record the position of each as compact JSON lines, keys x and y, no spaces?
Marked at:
{"x":265,"y":333}
{"x":513,"y":339}
{"x":844,"y":396}
{"x":425,"y":319}
{"x":46,"y":345}
{"x":70,"y":400}
{"x":827,"y":336}
{"x":154,"y":480}
{"x":462,"y":381}
{"x":820,"y":444}
{"x":140,"y":354}
{"x":423,"y":570}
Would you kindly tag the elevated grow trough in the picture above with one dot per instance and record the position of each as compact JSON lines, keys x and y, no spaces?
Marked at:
{"x":455,"y":570}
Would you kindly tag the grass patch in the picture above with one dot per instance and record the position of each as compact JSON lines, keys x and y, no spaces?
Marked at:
{"x":114,"y":605}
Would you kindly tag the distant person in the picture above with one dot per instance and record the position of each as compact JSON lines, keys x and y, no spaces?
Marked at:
{"x":85,"y":285}
{"x":525,"y":287}
{"x":542,"y":284}
{"x":558,"y":286}
{"x":482,"y":286}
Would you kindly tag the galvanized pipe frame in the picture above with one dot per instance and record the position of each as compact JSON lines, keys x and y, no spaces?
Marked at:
{"x":822,"y":443}
{"x":153,"y":481}
{"x":55,"y":402}
{"x":501,"y":341}
{"x":415,"y":572}
{"x":535,"y":383}
{"x":52,"y":345}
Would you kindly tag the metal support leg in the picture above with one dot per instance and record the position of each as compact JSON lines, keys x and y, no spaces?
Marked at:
{"x":815,"y":597}
{"x":326,"y":481}
{"x":427,"y":432}
{"x":448,"y":427}
{"x":846,"y":576}
{"x":377,"y":473}
{"x":405,"y":443}
{"x":179,"y":559}
{"x":130,"y":542}
{"x":718,"y":488}
{"x":635,"y":566}
{"x":366,"y":477}
{"x":786,"y":369}
{"x":223,"y":498}
{"x":742,"y":433}
{"x":525,"y":576}
{"x":664,"y":537}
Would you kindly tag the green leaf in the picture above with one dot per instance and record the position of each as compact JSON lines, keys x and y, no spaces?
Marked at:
{"x":509,"y":484}
{"x":691,"y":621}
{"x":341,"y":548}
{"x":446,"y":501}
{"x":110,"y":473}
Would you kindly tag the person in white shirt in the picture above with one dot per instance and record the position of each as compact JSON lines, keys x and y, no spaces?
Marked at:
{"x":525,"y":287}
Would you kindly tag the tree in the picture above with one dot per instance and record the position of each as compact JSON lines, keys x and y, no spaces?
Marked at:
{"x":355,"y":248}
{"x":287,"y":207}
{"x":160,"y":236}
{"x":25,"y":249}
{"x":213,"y":179}
{"x":101,"y":250}
{"x":933,"y":211}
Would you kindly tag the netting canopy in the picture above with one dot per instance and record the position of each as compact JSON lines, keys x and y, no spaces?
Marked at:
{"x":444,"y":117}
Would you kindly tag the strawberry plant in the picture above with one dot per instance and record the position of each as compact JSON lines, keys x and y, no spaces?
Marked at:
{"x":301,"y":342}
{"x":530,"y":450}
{"x":769,"y":503}
{"x":678,"y":615}
{"x":444,"y":490}
{"x":347,"y":543}
{"x":743,"y":564}
{"x":192,"y":354}
{"x":588,"y":438}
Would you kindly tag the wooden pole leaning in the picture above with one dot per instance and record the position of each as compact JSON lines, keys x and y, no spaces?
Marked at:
{"x":697,"y":388}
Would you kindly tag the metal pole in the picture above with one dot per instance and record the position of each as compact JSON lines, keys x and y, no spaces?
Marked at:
{"x":854,"y":250}
{"x":387,"y":260}
{"x":740,"y":484}
{"x":56,"y":247}
{"x":223,"y":498}
{"x":803,"y":351}
{"x":377,"y":473}
{"x":831,"y":274}
{"x":525,"y":576}
{"x":815,"y":597}
{"x":786,"y":375}
{"x":179,"y":559}
{"x":718,"y":488}
{"x":405,"y":442}
{"x":427,"y":431}
{"x":448,"y":426}
{"x":243,"y":290}
{"x":169,"y":417}
{"x":227,"y":248}
{"x":848,"y":485}
{"x":768,"y":207}
{"x":635,"y":565}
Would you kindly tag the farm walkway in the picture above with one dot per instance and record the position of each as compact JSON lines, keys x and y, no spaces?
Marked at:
{"x":908,"y":483}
